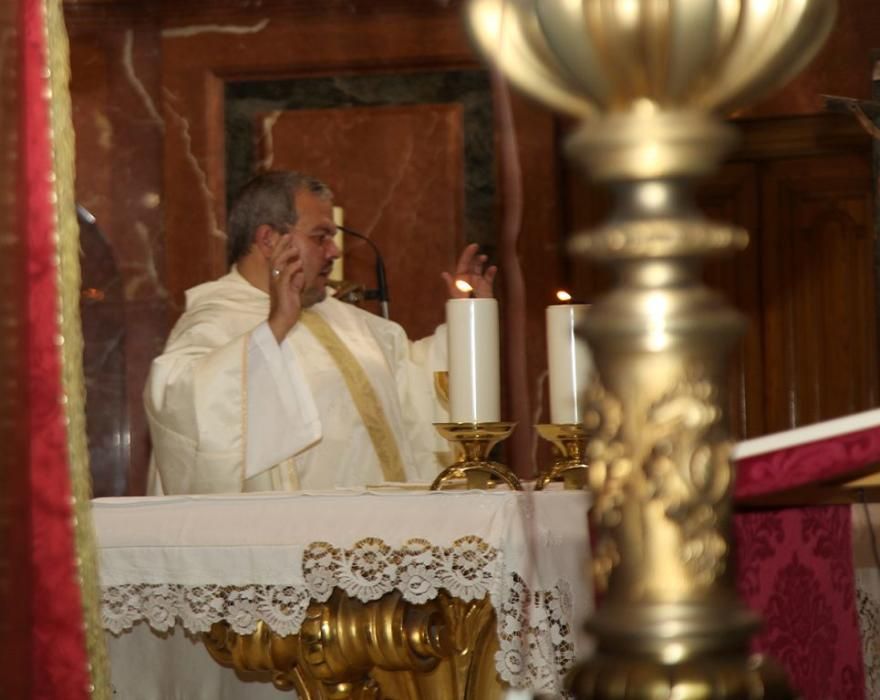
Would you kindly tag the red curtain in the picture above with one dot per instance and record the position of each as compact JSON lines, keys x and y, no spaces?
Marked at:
{"x":44,"y":594}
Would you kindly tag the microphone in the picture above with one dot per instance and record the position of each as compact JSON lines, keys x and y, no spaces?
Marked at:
{"x":382,"y":292}
{"x":84,"y":216}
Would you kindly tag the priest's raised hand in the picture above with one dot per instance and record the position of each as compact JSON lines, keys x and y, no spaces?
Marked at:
{"x":471,"y":268}
{"x":286,"y":280}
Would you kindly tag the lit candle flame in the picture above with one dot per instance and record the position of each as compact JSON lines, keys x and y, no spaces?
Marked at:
{"x":463,"y":286}
{"x":563,"y":296}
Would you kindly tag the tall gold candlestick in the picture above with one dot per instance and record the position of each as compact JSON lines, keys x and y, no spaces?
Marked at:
{"x":650,"y":81}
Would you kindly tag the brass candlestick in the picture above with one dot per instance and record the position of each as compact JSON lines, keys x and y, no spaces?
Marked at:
{"x":570,"y":445}
{"x":474,"y":442}
{"x":650,"y":82}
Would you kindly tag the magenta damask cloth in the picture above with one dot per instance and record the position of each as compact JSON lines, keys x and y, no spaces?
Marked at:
{"x":795,"y":565}
{"x":795,"y":568}
{"x":834,"y":457}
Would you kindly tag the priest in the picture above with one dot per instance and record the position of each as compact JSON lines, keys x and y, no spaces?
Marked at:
{"x":269,"y":383}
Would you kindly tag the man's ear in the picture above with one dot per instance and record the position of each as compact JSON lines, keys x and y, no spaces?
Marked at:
{"x":265,"y":239}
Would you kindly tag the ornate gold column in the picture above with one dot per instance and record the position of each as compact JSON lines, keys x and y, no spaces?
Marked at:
{"x":650,"y":80}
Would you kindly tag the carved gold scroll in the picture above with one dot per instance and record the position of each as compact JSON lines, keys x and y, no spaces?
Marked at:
{"x":387,"y":648}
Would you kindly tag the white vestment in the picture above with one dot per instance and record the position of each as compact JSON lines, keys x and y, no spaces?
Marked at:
{"x":232,"y":410}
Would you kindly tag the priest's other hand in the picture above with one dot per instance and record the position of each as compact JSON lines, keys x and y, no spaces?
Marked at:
{"x":471,"y":268}
{"x":286,"y":282}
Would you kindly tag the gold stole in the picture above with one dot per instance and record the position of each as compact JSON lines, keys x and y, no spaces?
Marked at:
{"x":362,"y":392}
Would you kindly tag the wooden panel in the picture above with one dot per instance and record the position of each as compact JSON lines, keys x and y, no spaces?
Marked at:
{"x":802,"y":189}
{"x":398,"y":173}
{"x":842,"y":66}
{"x":531,"y":265}
{"x":798,"y":137}
{"x":587,"y":205}
{"x":818,"y":279}
{"x":731,"y":196}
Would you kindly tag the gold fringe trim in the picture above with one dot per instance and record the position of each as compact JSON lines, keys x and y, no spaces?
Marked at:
{"x":73,"y":384}
{"x":362,"y":392}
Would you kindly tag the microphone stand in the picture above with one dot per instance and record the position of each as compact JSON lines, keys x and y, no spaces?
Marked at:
{"x":382,"y":292}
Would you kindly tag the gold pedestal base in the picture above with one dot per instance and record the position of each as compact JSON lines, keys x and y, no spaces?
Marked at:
{"x":617,"y":678}
{"x":386,"y":648}
{"x":474,"y":442}
{"x":706,"y":659}
{"x":570,"y":466}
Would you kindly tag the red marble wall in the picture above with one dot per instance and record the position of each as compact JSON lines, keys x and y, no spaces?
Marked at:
{"x":126,"y":307}
{"x":398,"y":173}
{"x":148,"y":90}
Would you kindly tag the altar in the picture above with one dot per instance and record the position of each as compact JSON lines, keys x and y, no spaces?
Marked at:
{"x":440,"y":594}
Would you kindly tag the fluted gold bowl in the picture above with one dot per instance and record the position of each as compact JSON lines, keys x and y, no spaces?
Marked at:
{"x":651,"y":71}
{"x":583,"y":57}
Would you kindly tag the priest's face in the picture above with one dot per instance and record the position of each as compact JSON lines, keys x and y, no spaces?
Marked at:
{"x":313,"y":235}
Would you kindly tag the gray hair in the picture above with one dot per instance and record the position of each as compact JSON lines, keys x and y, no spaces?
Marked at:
{"x":267,"y":199}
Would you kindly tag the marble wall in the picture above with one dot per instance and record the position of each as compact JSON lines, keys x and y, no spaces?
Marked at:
{"x":172,"y":105}
{"x":172,"y":112}
{"x":410,"y":158}
{"x":126,"y":305}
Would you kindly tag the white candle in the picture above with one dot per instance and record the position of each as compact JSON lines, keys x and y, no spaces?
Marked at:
{"x":474,"y":373}
{"x":569,"y":362}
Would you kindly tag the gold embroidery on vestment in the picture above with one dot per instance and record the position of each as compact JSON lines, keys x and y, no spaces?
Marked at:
{"x":362,"y":392}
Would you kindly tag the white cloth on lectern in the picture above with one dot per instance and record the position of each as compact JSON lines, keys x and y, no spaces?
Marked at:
{"x":232,"y":410}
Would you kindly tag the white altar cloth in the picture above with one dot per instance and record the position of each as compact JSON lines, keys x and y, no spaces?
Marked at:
{"x":181,"y":563}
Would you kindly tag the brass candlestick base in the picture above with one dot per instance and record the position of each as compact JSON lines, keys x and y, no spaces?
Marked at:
{"x":474,"y":442}
{"x":570,"y":466}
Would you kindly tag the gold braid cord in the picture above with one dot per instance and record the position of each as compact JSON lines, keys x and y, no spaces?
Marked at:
{"x":73,"y":385}
{"x":364,"y":395}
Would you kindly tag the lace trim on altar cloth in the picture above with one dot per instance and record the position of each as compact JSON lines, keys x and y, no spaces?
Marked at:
{"x":534,"y":635}
{"x":536,"y":646}
{"x":868,"y":601}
